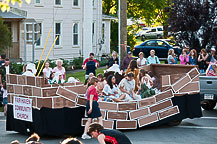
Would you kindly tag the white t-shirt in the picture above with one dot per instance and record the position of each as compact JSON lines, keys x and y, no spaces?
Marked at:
{"x":62,"y":71}
{"x":47,"y":72}
{"x":7,"y":69}
{"x":141,"y":62}
{"x":5,"y":92}
{"x":28,"y":73}
{"x":127,"y":85}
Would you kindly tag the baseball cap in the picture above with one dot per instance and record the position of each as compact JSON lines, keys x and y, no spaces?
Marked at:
{"x":129,"y":53}
{"x":213,"y":49}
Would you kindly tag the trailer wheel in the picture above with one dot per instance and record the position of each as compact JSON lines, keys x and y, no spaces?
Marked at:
{"x":208,"y":105}
{"x":174,"y":122}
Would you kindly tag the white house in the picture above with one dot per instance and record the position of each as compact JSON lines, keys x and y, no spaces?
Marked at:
{"x":80,"y":25}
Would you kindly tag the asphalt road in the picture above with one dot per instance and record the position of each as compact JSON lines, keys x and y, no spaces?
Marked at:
{"x":191,"y":131}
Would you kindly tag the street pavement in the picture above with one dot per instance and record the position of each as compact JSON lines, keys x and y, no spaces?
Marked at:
{"x":190,"y":131}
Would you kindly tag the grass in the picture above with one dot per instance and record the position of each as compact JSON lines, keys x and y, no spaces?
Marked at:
{"x":81,"y":75}
{"x":1,"y":109}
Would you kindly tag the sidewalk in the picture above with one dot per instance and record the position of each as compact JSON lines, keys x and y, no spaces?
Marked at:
{"x":80,"y":70}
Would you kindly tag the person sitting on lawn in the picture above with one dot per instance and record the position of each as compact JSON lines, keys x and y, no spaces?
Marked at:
{"x":112,"y":91}
{"x":105,"y":136}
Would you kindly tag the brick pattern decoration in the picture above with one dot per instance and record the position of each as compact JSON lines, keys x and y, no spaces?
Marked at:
{"x":125,"y":115}
{"x":181,"y":84}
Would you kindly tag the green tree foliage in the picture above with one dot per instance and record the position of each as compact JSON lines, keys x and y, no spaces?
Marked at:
{"x":4,"y":4}
{"x":5,"y":37}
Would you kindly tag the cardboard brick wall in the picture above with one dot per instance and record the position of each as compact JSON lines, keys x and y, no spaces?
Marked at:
{"x":127,"y":106}
{"x":161,"y":106}
{"x":18,"y":89}
{"x":120,"y":124}
{"x":138,"y":113}
{"x":78,"y":89}
{"x":21,"y":80}
{"x":47,"y":92}
{"x":108,"y":106}
{"x":44,"y":102}
{"x":37,"y":91}
{"x":81,"y":101}
{"x":27,"y":90}
{"x":146,"y":102}
{"x":66,"y":93}
{"x":30,"y":81}
{"x":148,"y":120}
{"x":10,"y":88}
{"x":13,"y":79}
{"x":117,"y":115}
{"x":164,"y":95}
{"x":169,"y":112}
{"x":191,"y":87}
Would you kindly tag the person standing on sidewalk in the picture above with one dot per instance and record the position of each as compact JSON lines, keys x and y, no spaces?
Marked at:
{"x":92,"y":106}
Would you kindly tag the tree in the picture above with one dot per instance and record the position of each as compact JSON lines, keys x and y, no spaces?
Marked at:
{"x":5,"y":37}
{"x":4,"y":5}
{"x":194,"y":22}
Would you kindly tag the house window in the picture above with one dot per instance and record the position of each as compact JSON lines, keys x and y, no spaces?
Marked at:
{"x":93,"y":34}
{"x":38,"y":1}
{"x":58,"y":2}
{"x":58,"y":33}
{"x":38,"y":33}
{"x":75,"y":3}
{"x":103,"y":33}
{"x":75,"y":34}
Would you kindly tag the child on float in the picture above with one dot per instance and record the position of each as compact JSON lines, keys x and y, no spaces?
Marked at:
{"x":112,"y":91}
{"x":127,"y":87}
{"x":47,"y":70}
{"x":51,"y":78}
{"x":105,"y":136}
{"x":5,"y":97}
{"x":92,"y":106}
{"x":101,"y":83}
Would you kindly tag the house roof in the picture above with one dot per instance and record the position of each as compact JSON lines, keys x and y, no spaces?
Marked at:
{"x":107,"y":17}
{"x":14,"y":13}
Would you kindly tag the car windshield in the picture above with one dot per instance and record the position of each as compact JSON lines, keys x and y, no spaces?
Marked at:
{"x":171,"y":42}
{"x":159,"y":29}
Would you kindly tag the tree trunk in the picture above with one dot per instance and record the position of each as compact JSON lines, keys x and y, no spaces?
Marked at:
{"x":123,"y":30}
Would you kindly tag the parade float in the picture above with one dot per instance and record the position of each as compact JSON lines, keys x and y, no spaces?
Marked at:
{"x":57,"y":110}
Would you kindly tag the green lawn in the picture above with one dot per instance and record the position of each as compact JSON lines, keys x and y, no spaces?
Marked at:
{"x":1,"y":109}
{"x":81,"y":75}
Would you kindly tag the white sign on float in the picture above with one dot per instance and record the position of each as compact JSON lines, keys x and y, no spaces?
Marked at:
{"x":22,"y":108}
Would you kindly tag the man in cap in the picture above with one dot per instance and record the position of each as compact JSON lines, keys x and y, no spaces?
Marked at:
{"x":126,"y":61}
{"x":30,"y":70}
{"x":212,"y":58}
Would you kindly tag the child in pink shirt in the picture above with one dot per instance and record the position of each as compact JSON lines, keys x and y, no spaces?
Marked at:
{"x":184,"y":58}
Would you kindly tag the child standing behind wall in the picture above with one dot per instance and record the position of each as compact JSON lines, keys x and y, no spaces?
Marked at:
{"x":5,"y":97}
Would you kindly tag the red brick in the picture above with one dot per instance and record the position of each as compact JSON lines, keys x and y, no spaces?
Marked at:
{"x":13,"y":78}
{"x":30,"y":80}
{"x":169,"y":112}
{"x":10,"y":88}
{"x":69,"y":103}
{"x":108,"y":106}
{"x":179,"y":84}
{"x":81,"y":101}
{"x":27,"y":90}
{"x":49,"y":92}
{"x":58,"y":102}
{"x":66,"y":93}
{"x":117,"y":115}
{"x":44,"y":102}
{"x":37,"y":91}
{"x":147,"y":120}
{"x":21,"y":80}
{"x":128,"y":124}
{"x":127,"y":106}
{"x":193,"y":73}
{"x":33,"y":101}
{"x":165,"y":80}
{"x":78,"y":89}
{"x":138,"y":113}
{"x":164,"y":95}
{"x":147,"y":102}
{"x":108,"y":124}
{"x":191,"y":87}
{"x":18,"y":89}
{"x":161,"y":106}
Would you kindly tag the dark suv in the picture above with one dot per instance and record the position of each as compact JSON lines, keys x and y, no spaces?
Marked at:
{"x":161,"y":48}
